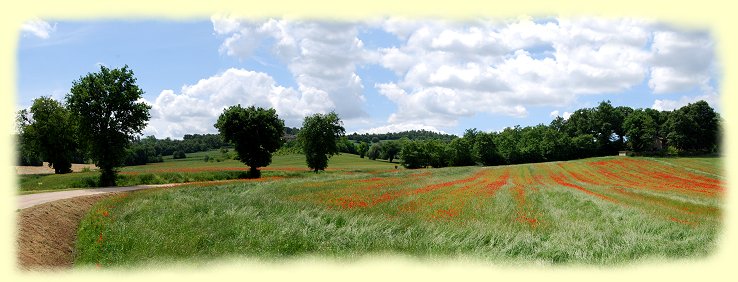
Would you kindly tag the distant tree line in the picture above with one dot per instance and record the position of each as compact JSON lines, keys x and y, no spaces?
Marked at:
{"x":599,"y":131}
{"x":410,"y":135}
{"x":377,"y":145}
{"x":138,"y":152}
{"x":150,"y":150}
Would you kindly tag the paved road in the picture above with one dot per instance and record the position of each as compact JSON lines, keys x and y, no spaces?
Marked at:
{"x":27,"y":201}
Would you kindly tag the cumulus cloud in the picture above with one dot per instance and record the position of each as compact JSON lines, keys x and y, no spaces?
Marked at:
{"x":556,"y":113}
{"x":440,"y":106}
{"x":681,"y":61}
{"x":196,"y":107}
{"x":321,"y":55}
{"x":448,"y":70}
{"x":38,"y":28}
{"x":669,"y":104}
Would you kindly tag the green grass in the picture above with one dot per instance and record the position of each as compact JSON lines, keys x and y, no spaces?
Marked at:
{"x":190,"y":169}
{"x":507,"y":214}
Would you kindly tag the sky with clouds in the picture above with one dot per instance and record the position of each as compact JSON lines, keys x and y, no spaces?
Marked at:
{"x":379,"y":75}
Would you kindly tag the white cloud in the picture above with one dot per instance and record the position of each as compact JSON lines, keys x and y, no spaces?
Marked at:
{"x":567,"y":115}
{"x":668,"y":105}
{"x":556,"y":113}
{"x":224,"y":25}
{"x":196,"y":108}
{"x":450,"y":70}
{"x":322,"y":56}
{"x":681,"y":61}
{"x":441,"y":107}
{"x":398,"y":127}
{"x":38,"y":28}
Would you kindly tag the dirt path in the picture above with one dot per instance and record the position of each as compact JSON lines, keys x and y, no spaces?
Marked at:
{"x":48,"y":222}
{"x":30,"y":200}
{"x":47,"y":232}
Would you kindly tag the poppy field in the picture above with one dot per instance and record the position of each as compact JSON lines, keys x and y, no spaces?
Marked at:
{"x":593,"y":211}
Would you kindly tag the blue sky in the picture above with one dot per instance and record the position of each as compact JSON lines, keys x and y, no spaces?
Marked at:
{"x":380,"y":75}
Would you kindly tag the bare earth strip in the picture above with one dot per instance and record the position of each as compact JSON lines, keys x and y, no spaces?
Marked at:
{"x":45,"y":169}
{"x":47,"y":232}
{"x":47,"y":224}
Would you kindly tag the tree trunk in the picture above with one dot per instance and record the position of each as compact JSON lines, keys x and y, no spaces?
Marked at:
{"x":107,"y":177}
{"x":254,"y":172}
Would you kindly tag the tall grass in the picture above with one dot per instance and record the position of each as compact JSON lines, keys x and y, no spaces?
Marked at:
{"x":190,"y":169}
{"x":298,"y":216}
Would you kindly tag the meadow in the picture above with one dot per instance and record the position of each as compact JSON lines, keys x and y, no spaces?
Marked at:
{"x":602,"y":211}
{"x":193,"y":168}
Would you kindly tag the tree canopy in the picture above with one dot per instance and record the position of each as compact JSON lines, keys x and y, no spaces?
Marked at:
{"x":53,"y":133}
{"x":318,"y":137}
{"x":255,"y":132}
{"x":694,"y":127}
{"x":110,"y":114}
{"x":598,"y":131}
{"x":27,"y":153}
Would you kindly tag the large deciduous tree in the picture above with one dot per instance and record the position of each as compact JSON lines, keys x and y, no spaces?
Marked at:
{"x":694,"y":127}
{"x":255,"y":132}
{"x":107,"y":106}
{"x":485,"y":151}
{"x":53,"y":133}
{"x":641,"y":131}
{"x":318,"y":138}
{"x":414,"y":154}
{"x":27,"y":153}
{"x":375,"y":151}
{"x":390,"y":149}
{"x":362,"y":149}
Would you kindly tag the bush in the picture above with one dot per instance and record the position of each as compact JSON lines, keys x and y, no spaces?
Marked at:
{"x":672,"y":151}
{"x":413,"y":155}
{"x":206,"y":158}
{"x":375,"y":150}
{"x":178,"y":155}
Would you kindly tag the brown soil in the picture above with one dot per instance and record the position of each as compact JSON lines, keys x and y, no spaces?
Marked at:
{"x":45,"y":169}
{"x":47,"y":232}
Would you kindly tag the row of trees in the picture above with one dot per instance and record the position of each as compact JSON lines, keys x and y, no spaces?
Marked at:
{"x":599,"y":131}
{"x":101,"y":118}
{"x":47,"y":132}
{"x":98,"y":120}
{"x":150,"y":150}
{"x":105,"y":107}
{"x":257,"y":133}
{"x":410,"y":135}
{"x":602,"y":130}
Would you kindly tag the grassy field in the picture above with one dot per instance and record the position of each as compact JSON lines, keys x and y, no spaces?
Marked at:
{"x":593,"y":211}
{"x":191,"y":169}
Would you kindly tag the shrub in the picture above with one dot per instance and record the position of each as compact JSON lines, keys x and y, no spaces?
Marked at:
{"x":178,"y":155}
